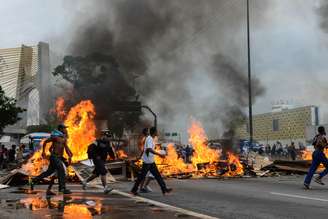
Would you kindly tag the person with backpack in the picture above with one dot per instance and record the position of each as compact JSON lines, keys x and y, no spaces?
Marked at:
{"x":150,"y":165}
{"x":320,"y":142}
{"x":98,"y":152}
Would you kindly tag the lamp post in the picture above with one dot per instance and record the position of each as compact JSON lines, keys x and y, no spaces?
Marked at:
{"x":152,"y":112}
{"x":250,"y":108}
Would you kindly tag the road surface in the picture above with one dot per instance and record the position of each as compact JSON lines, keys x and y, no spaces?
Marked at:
{"x":272,"y":197}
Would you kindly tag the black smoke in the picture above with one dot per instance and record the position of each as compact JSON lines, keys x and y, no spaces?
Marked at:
{"x":167,"y":51}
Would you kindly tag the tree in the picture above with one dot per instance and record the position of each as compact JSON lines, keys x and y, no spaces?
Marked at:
{"x":99,"y":78}
{"x":9,"y":112}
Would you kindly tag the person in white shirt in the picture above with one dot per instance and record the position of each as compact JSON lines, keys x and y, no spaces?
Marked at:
{"x":149,"y":164}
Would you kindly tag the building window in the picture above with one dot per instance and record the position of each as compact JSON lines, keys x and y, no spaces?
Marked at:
{"x":275,"y":125}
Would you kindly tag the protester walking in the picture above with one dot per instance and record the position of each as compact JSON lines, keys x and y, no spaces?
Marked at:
{"x":58,"y":139}
{"x":320,"y":143}
{"x":149,"y":164}
{"x":98,"y":153}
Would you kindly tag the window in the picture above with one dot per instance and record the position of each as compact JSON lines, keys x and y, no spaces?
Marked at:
{"x":275,"y":125}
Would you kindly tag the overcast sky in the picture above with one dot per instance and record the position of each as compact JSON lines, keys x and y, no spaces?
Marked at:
{"x":289,"y":53}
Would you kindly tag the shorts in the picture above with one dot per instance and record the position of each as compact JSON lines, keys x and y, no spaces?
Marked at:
{"x":100,"y":168}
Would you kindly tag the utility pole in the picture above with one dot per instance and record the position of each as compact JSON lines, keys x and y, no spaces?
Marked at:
{"x":152,"y":112}
{"x":250,"y":103}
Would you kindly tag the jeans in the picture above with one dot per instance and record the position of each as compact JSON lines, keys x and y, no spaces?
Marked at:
{"x":153,"y":170}
{"x":318,"y":157}
{"x":56,"y":164}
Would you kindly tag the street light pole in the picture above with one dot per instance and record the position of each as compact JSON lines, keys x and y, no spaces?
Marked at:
{"x":250,"y":109}
{"x":152,"y":112}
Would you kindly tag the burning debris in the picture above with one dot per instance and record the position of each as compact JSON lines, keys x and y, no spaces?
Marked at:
{"x":204,"y":162}
{"x":81,"y":133}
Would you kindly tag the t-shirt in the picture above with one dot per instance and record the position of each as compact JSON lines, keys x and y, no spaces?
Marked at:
{"x":103,"y":149}
{"x":148,"y":157}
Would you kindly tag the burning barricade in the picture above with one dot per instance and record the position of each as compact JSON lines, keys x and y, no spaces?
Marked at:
{"x":81,"y":132}
{"x":205,"y":161}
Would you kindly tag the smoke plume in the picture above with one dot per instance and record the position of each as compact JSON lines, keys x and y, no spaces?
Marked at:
{"x":185,"y":58}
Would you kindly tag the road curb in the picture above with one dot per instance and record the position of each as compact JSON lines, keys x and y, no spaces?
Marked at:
{"x":160,"y":204}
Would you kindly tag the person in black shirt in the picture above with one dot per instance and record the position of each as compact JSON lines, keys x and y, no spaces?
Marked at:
{"x":98,"y":152}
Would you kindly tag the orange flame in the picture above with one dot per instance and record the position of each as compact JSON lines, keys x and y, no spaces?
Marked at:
{"x":204,"y":160}
{"x":36,"y":164}
{"x":235,"y":167}
{"x":172,"y":164}
{"x":81,"y":129}
{"x":121,"y":154}
{"x":307,"y":154}
{"x":202,"y":153}
{"x":81,"y":133}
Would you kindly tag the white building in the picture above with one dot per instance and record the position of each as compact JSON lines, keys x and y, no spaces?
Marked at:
{"x":25,"y":75}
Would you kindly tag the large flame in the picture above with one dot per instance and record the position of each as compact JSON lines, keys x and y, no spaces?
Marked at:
{"x":204,"y":160}
{"x":81,"y":129}
{"x":36,"y":164}
{"x":202,"y":153}
{"x":81,"y":133}
{"x":172,"y":163}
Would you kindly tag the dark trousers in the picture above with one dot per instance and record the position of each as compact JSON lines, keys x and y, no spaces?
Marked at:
{"x":318,"y":157}
{"x":56,"y":165}
{"x":142,"y":175}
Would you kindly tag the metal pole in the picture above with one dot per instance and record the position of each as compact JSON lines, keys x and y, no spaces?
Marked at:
{"x":250,"y":109}
{"x":152,"y":112}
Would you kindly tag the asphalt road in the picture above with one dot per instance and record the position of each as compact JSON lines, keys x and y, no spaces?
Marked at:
{"x":274,"y":197}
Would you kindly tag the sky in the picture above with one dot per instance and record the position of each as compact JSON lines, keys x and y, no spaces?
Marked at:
{"x":289,"y":52}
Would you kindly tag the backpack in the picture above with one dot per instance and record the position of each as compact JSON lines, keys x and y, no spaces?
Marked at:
{"x":92,"y":150}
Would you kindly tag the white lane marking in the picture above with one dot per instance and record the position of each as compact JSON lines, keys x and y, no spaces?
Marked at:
{"x":160,"y":204}
{"x":299,"y":196}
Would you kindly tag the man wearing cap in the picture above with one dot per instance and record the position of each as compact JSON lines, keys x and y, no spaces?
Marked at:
{"x":58,"y":139}
{"x":98,"y":152}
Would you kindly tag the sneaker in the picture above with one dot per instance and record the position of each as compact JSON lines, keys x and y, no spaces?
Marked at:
{"x":318,"y":180}
{"x":135,"y":193}
{"x":148,"y":189}
{"x":84,"y":185}
{"x":65,"y":191}
{"x":167,"y":190}
{"x":143,"y":190}
{"x":107,"y":189}
{"x":306,"y":186}
{"x":50,"y":193}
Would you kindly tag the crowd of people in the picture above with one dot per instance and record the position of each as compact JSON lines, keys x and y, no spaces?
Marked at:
{"x":12,"y":156}
{"x":280,"y":151}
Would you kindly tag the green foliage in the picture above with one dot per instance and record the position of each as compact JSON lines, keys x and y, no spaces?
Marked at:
{"x":9,"y":112}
